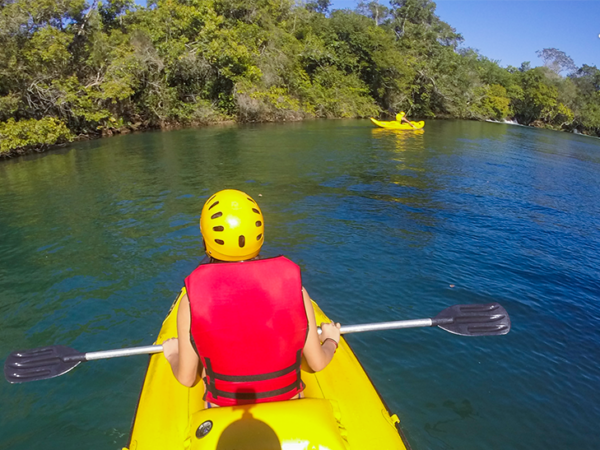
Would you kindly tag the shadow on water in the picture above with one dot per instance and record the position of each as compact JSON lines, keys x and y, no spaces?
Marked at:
{"x":464,"y":410}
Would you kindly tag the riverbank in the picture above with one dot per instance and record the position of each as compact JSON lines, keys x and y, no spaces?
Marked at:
{"x":142,"y":127}
{"x":139,"y":127}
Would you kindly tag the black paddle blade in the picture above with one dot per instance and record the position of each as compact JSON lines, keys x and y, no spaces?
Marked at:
{"x":490,"y":319}
{"x":40,"y":363}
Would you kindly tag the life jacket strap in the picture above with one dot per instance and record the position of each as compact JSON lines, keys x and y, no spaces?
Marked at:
{"x":254,"y":395}
{"x":212,"y":376}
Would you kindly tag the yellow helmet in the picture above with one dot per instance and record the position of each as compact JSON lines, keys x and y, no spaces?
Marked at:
{"x":232,"y":226}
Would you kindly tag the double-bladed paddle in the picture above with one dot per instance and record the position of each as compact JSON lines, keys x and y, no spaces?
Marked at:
{"x":48,"y":362}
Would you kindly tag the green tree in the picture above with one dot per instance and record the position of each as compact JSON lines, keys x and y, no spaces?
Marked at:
{"x":373,"y":10}
{"x":587,"y":79}
{"x":589,"y":117}
{"x":319,"y":6}
{"x":538,"y":100}
{"x":494,"y":102}
{"x":112,"y":12}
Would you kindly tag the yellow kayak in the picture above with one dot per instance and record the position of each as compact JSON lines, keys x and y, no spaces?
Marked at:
{"x":341,"y":410}
{"x":395,"y":125}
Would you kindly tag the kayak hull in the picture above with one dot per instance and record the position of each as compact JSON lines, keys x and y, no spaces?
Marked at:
{"x":395,"y":125}
{"x":340,"y":410}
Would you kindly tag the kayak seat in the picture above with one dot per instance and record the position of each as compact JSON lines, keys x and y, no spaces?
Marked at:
{"x":288,"y":425}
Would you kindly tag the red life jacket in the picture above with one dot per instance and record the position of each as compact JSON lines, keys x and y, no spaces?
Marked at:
{"x":249,"y":327}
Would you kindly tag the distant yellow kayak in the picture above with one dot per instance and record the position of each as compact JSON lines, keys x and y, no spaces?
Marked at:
{"x":395,"y":125}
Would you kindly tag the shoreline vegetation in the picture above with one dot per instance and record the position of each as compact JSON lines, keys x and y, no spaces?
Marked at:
{"x":72,"y":70}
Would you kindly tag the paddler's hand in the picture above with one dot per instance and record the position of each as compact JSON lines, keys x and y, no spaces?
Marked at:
{"x":330,"y":330}
{"x":171,"y":349}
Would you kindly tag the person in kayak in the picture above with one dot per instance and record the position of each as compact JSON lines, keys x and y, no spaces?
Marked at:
{"x":246,"y":320}
{"x":400,"y":117}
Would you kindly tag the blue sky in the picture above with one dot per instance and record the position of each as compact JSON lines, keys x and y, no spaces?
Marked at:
{"x":511,"y":31}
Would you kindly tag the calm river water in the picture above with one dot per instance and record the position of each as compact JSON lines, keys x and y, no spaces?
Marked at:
{"x":95,"y":241}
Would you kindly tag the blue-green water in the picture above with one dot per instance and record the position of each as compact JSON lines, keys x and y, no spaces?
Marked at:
{"x":96,"y":239}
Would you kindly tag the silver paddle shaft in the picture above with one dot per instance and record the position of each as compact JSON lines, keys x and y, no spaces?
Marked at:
{"x":146,"y":350}
{"x":346,"y":329}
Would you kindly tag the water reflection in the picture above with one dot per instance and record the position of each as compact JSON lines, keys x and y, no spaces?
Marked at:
{"x":401,"y":185}
{"x":400,"y":139}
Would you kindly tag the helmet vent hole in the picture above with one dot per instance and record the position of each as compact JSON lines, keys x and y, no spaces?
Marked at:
{"x":258,"y":237}
{"x":211,"y":198}
{"x":256,"y":210}
{"x":258,"y":223}
{"x":213,"y":205}
{"x":216,"y":215}
{"x":251,"y":200}
{"x":220,"y":241}
{"x":219,"y":228}
{"x":242,"y":241}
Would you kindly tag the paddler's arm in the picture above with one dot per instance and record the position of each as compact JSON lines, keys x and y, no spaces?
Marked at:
{"x":179,"y":352}
{"x":404,"y":119}
{"x":317,"y":355}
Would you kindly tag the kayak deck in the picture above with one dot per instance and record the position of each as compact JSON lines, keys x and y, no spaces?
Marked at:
{"x":395,"y":125}
{"x":340,"y":410}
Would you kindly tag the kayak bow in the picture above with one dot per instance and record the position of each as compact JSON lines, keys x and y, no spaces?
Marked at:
{"x":340,"y":410}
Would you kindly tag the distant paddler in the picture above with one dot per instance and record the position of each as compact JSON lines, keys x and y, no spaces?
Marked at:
{"x":400,"y":117}
{"x":398,"y":123}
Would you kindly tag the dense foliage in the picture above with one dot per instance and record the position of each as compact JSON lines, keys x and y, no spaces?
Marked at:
{"x":68,"y":68}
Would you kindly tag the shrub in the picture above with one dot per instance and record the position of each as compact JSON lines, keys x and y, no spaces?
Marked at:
{"x":494,"y":102}
{"x":24,"y":135}
{"x":266,"y":105}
